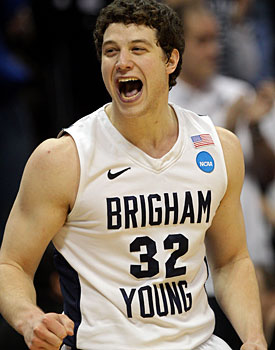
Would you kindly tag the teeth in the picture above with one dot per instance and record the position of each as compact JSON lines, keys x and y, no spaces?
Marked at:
{"x":124,"y":80}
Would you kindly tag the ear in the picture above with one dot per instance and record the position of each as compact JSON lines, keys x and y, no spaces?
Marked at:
{"x":172,"y":63}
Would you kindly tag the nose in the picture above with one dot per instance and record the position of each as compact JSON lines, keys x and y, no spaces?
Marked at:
{"x":124,"y":61}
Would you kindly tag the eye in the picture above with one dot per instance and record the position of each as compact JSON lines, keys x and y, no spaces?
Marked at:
{"x":138,"y":49}
{"x":111,"y":51}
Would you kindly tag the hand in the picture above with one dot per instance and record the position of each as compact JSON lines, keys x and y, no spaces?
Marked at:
{"x":236,"y":112}
{"x":48,"y":332}
{"x":263,"y":102}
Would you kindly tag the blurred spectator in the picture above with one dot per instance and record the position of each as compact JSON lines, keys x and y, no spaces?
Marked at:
{"x":234,"y":104}
{"x":16,"y":133}
{"x":260,"y":164}
{"x":247,"y":38}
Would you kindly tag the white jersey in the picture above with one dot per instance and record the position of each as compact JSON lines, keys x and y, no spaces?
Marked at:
{"x":131,"y":254}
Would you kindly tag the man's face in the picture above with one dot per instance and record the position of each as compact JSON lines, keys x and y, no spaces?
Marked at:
{"x":133,"y":67}
{"x":202,"y":50}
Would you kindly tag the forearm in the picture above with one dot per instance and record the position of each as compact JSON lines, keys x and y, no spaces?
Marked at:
{"x":236,"y":290}
{"x":17,"y":297}
{"x":18,"y":306}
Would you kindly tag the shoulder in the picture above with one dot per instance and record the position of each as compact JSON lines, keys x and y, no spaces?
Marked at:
{"x":228,"y":139}
{"x":55,"y":149}
{"x":54,"y":166}
{"x":54,"y":155}
{"x":233,"y":155}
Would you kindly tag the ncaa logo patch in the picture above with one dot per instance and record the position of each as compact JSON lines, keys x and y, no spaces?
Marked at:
{"x":205,"y":162}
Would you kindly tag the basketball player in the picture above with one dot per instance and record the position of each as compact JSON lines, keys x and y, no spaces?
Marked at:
{"x":130,"y":195}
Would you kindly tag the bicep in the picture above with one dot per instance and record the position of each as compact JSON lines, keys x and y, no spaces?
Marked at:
{"x":226,"y":238}
{"x":39,"y":210}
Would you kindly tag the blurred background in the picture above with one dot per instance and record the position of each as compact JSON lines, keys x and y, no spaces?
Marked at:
{"x":50,"y":77}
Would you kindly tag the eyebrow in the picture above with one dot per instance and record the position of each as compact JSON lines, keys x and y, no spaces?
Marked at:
{"x":136,"y":41}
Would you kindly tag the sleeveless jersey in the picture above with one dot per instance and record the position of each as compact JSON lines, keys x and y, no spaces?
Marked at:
{"x":131,"y":255}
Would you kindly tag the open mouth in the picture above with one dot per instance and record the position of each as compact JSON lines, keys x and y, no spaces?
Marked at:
{"x":129,"y":88}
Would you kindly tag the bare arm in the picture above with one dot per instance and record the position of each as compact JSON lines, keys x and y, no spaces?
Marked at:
{"x":233,"y":273}
{"x":46,"y":193}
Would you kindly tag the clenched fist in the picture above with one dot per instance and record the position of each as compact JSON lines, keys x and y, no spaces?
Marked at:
{"x":48,"y":331}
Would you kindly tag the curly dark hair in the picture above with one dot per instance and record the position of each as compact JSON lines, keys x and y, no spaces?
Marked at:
{"x":145,"y":12}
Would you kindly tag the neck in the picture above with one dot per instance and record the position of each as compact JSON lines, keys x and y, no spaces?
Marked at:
{"x":153,"y":133}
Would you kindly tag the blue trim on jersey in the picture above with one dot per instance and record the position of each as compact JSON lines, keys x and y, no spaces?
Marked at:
{"x":207,"y":267}
{"x":71,"y":291}
{"x":207,"y":270}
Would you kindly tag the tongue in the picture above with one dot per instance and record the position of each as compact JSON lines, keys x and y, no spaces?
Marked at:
{"x":131,"y":93}
{"x":131,"y":88}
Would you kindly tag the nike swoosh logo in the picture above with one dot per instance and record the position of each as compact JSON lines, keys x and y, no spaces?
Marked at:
{"x":112,"y":176}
